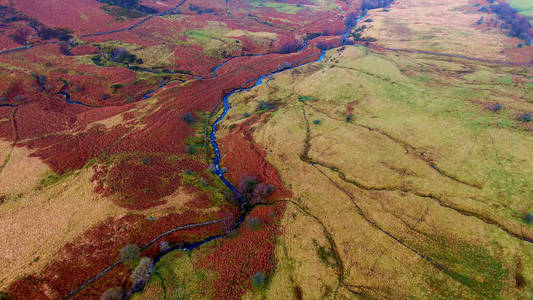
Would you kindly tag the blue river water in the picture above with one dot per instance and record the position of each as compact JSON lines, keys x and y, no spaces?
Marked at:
{"x":217,"y":155}
{"x":152,"y":92}
{"x":70,"y":101}
{"x":212,"y":137}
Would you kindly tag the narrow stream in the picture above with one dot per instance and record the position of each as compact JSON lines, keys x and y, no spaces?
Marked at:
{"x":245,"y":209}
{"x":70,"y":101}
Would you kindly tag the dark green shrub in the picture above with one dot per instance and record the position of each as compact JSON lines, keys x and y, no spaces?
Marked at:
{"x":189,"y":118}
{"x":115,"y":87}
{"x":254,"y":223}
{"x":61,"y":34}
{"x":350,"y":118}
{"x":145,"y":161}
{"x":258,"y":280}
{"x":527,"y":117}
{"x":190,"y":149}
{"x":529,"y":218}
{"x":130,"y":253}
{"x":304,"y":98}
{"x":496,"y":107}
{"x":266,"y":106}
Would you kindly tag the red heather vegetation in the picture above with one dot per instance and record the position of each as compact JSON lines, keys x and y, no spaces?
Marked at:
{"x":236,"y":260}
{"x":71,"y":152}
{"x":100,"y":246}
{"x":6,"y":127}
{"x":247,"y":159}
{"x":62,"y":135}
{"x":139,"y":182}
{"x":201,"y":201}
{"x":79,"y":15}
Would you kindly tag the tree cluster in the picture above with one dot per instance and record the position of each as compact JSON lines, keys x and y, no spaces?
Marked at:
{"x":254,"y":190}
{"x":351,"y":20}
{"x":130,"y":5}
{"x":373,"y":4}
{"x":9,"y":15}
{"x":141,"y":273}
{"x":200,"y":10}
{"x":290,"y":47}
{"x":117,"y":55}
{"x":518,"y":26}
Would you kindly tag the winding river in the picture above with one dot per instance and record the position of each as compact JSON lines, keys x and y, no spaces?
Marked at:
{"x":218,"y":170}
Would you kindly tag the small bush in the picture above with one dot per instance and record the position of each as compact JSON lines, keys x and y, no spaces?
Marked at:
{"x":200,"y":10}
{"x":121,"y":55}
{"x":20,"y":36}
{"x":314,"y":35}
{"x":291,"y":47}
{"x":189,"y":118}
{"x":254,"y":223}
{"x":164,"y":246}
{"x":304,"y":98}
{"x":496,"y":107}
{"x":351,"y":20}
{"x":190,"y":150}
{"x":350,"y":118}
{"x":61,"y":34}
{"x":263,"y":106}
{"x":130,"y":253}
{"x":258,"y":280}
{"x":527,"y":117}
{"x":246,"y":115}
{"x":317,"y":122}
{"x":115,"y":87}
{"x":255,"y":191}
{"x":529,"y":218}
{"x":114,"y":293}
{"x":41,"y":80}
{"x":145,"y":161}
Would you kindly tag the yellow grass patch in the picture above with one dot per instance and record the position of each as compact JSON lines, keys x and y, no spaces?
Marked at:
{"x":418,"y":189}
{"x":264,"y":34}
{"x":437,"y":25}
{"x":21,"y":173}
{"x":72,"y":207}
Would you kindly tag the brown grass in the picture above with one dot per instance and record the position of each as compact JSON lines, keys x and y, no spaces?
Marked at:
{"x":440,"y":25}
{"x":408,"y":179}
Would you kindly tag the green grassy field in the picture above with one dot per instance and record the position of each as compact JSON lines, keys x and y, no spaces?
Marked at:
{"x":524,"y":7}
{"x":421,"y":170}
{"x":403,"y":166}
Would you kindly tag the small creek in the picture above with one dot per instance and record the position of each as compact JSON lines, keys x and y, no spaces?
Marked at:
{"x":218,"y":170}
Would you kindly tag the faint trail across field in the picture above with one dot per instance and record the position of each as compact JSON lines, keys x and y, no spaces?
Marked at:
{"x":492,"y":61}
